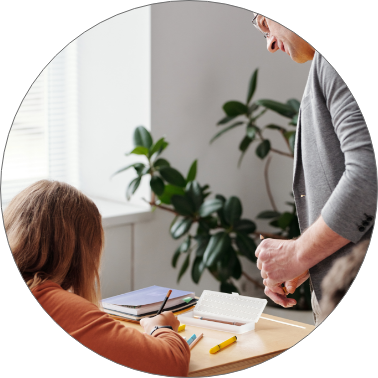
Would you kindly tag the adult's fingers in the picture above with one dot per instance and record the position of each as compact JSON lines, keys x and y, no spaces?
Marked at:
{"x":275,"y":288}
{"x":282,"y":300}
{"x":264,"y":274}
{"x":259,"y":264}
{"x":292,"y":285}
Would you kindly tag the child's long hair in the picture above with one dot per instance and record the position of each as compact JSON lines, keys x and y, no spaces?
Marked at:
{"x":55,"y":233}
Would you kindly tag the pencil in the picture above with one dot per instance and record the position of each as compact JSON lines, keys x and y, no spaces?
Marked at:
{"x":218,"y":321}
{"x":196,"y":341}
{"x":165,"y":301}
{"x":282,"y":285}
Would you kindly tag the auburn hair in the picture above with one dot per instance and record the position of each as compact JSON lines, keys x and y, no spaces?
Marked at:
{"x":55,"y":233}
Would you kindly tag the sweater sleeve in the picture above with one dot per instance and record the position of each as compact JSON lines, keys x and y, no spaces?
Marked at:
{"x":165,"y":352}
{"x":354,"y":199}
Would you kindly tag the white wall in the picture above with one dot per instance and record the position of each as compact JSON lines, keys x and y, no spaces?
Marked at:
{"x":203,"y":55}
{"x":114,"y":98}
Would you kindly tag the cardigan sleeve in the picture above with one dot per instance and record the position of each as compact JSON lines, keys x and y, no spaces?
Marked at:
{"x":354,"y":200}
{"x":165,"y":352}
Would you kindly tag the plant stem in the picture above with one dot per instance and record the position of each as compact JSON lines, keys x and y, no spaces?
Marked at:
{"x":282,"y":153}
{"x":287,"y":142}
{"x":256,"y":283}
{"x":266,"y":176}
{"x":161,"y":206}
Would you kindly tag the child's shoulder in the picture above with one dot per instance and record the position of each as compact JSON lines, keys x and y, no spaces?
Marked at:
{"x":54,"y":299}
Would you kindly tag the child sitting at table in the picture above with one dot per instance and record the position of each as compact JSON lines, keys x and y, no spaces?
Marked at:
{"x":56,"y":237}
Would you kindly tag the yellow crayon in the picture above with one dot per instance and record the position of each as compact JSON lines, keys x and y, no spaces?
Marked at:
{"x":223,"y":345}
{"x":181,"y":327}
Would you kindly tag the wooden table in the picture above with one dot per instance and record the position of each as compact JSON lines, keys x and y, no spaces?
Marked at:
{"x":272,"y":336}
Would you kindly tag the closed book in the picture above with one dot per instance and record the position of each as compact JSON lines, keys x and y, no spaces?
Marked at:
{"x":178,"y":308}
{"x":145,"y":300}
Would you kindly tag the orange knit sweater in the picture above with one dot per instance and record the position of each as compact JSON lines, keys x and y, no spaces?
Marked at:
{"x":164,"y":352}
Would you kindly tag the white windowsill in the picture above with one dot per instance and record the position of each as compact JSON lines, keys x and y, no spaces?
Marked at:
{"x":117,"y":213}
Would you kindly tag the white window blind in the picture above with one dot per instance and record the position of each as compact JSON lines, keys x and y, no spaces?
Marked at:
{"x":43,"y":141}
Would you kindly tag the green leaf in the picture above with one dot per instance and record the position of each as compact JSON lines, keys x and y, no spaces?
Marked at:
{"x":202,"y":242}
{"x":227,"y":287}
{"x":253,"y":107}
{"x":133,"y":186}
{"x":140,"y":150}
{"x":172,"y":176}
{"x":278,"y":107}
{"x":183,"y":205}
{"x":263,"y":149}
{"x":142,"y":137}
{"x":290,"y":136}
{"x":218,"y":245}
{"x":252,"y":85}
{"x":234,"y":108}
{"x":244,"y":144}
{"x":194,"y":192}
{"x":217,"y":135}
{"x":224,"y":268}
{"x":225,"y":120}
{"x":180,"y":227}
{"x":245,"y":225}
{"x":294,"y":120}
{"x":139,"y":168}
{"x":192,"y":172}
{"x":232,"y":210}
{"x":246,"y":246}
{"x":275,"y":127}
{"x":284,"y":220}
{"x":158,"y":147}
{"x":175,"y":257}
{"x":184,"y":267}
{"x":206,"y":194}
{"x":251,"y":131}
{"x":157,"y":185}
{"x":159,"y":163}
{"x":207,"y":223}
{"x":294,"y":103}
{"x":197,"y":269}
{"x":146,"y":170}
{"x":220,"y":212}
{"x":274,"y":223}
{"x":125,"y":169}
{"x":235,"y":264}
{"x":169,"y":191}
{"x":209,"y":207}
{"x":269,"y":214}
{"x":185,"y":245}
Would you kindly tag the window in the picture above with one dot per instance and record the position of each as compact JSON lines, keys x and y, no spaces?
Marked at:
{"x":43,"y":142}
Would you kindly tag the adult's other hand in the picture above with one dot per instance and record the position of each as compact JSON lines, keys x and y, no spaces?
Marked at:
{"x":278,"y":262}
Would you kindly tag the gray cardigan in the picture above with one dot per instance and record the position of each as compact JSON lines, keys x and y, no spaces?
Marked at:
{"x":335,"y":173}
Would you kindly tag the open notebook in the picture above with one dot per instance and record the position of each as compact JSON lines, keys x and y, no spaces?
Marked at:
{"x":148,"y":300}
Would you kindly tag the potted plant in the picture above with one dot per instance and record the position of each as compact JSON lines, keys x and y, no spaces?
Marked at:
{"x":214,"y":230}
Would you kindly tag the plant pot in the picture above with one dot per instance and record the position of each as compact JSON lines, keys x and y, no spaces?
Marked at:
{"x":296,"y":315}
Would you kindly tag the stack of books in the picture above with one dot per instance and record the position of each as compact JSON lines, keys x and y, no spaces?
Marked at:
{"x":146,"y":302}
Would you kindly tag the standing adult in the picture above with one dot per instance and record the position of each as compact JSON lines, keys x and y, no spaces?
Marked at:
{"x":335,"y":177}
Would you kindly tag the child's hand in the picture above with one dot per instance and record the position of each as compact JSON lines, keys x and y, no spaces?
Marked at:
{"x":164,"y":319}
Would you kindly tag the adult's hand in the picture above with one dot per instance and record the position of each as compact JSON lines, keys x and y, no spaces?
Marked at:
{"x":278,"y":262}
{"x":277,"y":295}
{"x":166,"y":318}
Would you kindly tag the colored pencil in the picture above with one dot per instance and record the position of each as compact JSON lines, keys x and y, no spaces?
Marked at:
{"x":196,"y":341}
{"x":165,"y":301}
